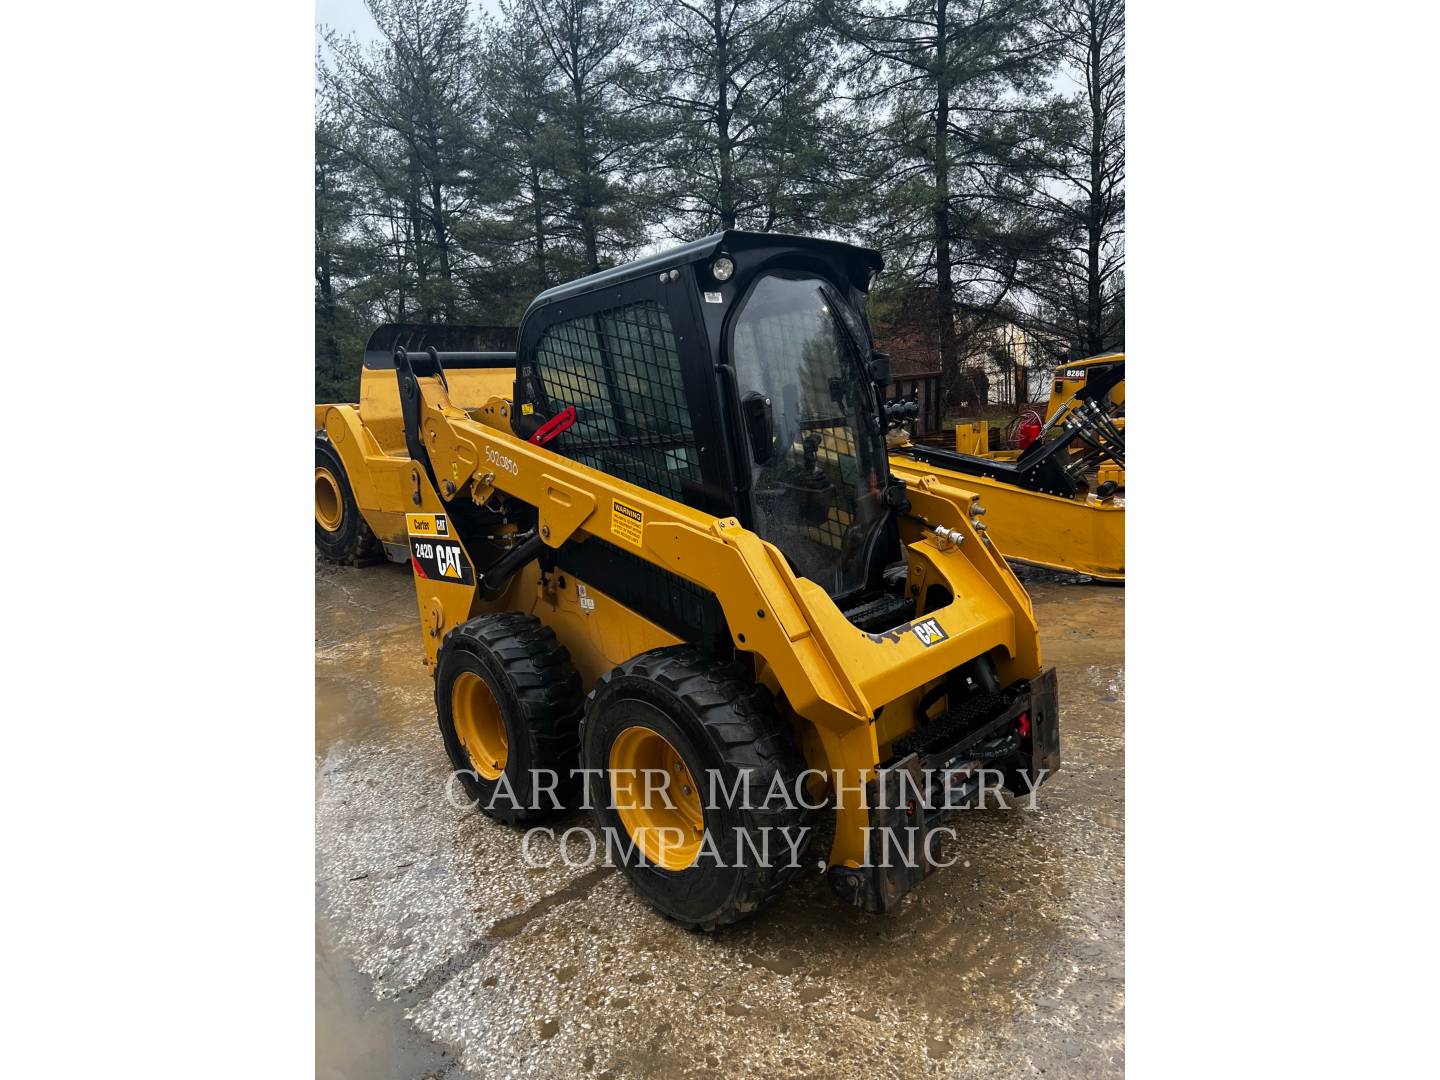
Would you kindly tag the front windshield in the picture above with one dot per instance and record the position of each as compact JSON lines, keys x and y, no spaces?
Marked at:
{"x":819,"y":496}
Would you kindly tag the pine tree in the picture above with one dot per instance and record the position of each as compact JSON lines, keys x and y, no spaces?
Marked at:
{"x":1078,"y":282}
{"x":743,"y":89}
{"x":596,"y":140}
{"x":514,"y":231}
{"x":411,"y":105}
{"x":948,"y":85}
{"x":340,"y":323}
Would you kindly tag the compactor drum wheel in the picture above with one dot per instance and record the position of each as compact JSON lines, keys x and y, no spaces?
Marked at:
{"x":341,"y":534}
{"x":509,"y":704}
{"x":669,"y":734}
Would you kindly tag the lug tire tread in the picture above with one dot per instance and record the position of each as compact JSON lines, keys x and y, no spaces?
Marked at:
{"x":545,"y":685}
{"x":742,"y":722}
{"x":365,"y":549}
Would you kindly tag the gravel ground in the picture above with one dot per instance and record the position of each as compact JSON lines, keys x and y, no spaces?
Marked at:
{"x":440,"y":954}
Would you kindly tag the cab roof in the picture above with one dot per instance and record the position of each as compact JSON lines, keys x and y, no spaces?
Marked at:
{"x":861,"y":262}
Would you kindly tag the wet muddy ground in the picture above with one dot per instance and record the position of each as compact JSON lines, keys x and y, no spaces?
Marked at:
{"x":440,"y":954}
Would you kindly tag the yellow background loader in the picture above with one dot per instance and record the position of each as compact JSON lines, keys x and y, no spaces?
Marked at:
{"x":1060,"y":502}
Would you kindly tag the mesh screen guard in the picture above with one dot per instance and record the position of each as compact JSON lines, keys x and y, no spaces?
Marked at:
{"x":620,"y":369}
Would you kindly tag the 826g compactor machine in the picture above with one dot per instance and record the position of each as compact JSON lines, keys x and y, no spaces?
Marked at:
{"x":659,"y":550}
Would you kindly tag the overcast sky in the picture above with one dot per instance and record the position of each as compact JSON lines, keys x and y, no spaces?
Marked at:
{"x":353,"y":17}
{"x":347,"y":16}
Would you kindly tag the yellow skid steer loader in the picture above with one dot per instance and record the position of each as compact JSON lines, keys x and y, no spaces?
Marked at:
{"x":663,"y":567}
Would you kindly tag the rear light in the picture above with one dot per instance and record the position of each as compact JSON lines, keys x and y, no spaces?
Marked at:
{"x":1024,"y":725}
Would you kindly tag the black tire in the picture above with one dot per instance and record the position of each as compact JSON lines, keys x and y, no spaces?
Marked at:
{"x":540,"y":701}
{"x":716,"y":717}
{"x":350,"y":542}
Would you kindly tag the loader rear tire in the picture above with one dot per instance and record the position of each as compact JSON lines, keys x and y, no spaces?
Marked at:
{"x":341,"y":533}
{"x":509,"y":703}
{"x":696,"y":717}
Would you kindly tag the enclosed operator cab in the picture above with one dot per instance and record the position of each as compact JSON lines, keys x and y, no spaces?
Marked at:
{"x":734,"y":375}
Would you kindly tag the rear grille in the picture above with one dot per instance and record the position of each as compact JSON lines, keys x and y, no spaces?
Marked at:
{"x":949,"y":727}
{"x":883,"y":613}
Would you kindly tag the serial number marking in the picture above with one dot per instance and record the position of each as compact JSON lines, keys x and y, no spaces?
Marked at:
{"x":501,"y":461}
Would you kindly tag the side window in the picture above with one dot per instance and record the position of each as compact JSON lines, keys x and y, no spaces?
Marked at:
{"x":620,"y":369}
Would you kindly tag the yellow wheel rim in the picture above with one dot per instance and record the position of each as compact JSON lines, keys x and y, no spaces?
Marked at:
{"x":479,"y":724}
{"x":664,"y":817}
{"x":329,"y":505}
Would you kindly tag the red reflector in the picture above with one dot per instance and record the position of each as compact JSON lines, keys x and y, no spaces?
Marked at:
{"x":1024,"y":724}
{"x":910,"y":808}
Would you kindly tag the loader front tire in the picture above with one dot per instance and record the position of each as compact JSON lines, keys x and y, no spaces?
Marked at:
{"x":509,"y":703}
{"x":341,"y":533}
{"x":703,"y":723}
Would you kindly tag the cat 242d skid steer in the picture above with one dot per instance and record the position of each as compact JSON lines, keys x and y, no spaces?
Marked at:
{"x":663,"y":566}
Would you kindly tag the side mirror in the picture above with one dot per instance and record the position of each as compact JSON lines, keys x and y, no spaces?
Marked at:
{"x":880,"y":368}
{"x":759,"y":425}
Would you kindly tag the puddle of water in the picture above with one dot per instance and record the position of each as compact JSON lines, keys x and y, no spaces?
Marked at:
{"x":343,"y":710}
{"x":367,"y":659}
{"x":510,"y":927}
{"x":1110,"y":821}
{"x":1079,"y":624}
{"x":368,"y":656}
{"x":361,"y":1037}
